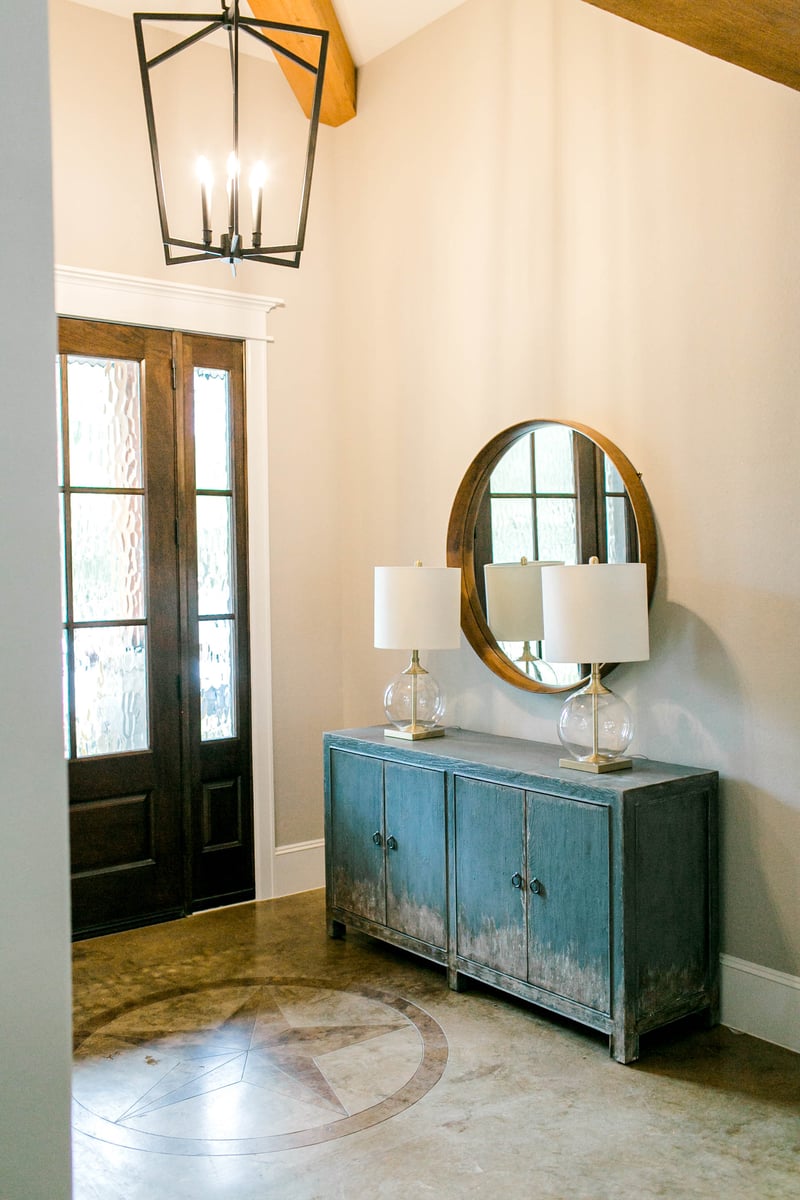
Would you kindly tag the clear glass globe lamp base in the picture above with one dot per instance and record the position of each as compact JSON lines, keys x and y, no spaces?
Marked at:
{"x":414,"y":704}
{"x":595,"y":727}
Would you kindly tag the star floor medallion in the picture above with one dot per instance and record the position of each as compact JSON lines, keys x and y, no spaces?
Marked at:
{"x":251,"y":1066}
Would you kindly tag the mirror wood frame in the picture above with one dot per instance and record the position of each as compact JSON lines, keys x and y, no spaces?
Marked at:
{"x":461,"y":553}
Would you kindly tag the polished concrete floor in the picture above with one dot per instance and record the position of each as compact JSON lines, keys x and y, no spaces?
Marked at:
{"x":241,"y":1054}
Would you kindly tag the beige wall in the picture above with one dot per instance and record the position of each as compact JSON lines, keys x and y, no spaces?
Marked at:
{"x":540,"y":210}
{"x":550,"y":212}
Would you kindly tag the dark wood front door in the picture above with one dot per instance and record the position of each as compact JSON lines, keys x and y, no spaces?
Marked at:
{"x":156,"y":686}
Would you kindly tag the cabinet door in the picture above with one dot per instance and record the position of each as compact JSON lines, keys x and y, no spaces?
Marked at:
{"x":357,"y":834}
{"x":416,"y":875}
{"x":568,"y":902}
{"x":490,"y":874}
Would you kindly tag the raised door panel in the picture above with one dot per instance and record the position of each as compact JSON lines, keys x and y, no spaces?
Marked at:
{"x":490,"y":871}
{"x":358,"y":881}
{"x":416,"y":874}
{"x":569,"y":882}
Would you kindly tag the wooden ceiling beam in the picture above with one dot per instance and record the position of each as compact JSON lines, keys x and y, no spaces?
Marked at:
{"x":762,"y":36}
{"x":339,"y":93}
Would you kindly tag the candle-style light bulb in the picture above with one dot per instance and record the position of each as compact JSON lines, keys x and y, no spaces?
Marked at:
{"x":206,"y":178}
{"x":258,"y":177}
{"x":233,"y":177}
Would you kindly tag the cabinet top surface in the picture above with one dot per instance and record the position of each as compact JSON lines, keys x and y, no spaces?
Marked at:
{"x":463,"y":747}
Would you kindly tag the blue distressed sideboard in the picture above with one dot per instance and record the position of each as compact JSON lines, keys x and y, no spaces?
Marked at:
{"x":592,"y":896}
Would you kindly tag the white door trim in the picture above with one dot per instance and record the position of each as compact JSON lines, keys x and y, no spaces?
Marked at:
{"x":128,"y":300}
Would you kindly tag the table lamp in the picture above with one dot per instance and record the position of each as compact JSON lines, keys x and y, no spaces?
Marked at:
{"x":514,"y":610}
{"x":596,"y":613}
{"x":416,"y":607}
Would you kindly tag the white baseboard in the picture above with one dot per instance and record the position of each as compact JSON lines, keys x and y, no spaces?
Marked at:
{"x":761,"y":1002}
{"x":298,"y":868}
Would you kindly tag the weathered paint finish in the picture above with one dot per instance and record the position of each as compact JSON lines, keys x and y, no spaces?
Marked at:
{"x":569,"y":927}
{"x":672,"y":927}
{"x":416,"y":867}
{"x":490,"y":858}
{"x":622,"y":931}
{"x":356,"y":813}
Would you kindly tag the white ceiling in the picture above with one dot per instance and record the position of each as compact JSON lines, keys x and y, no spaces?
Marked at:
{"x":370,"y":26}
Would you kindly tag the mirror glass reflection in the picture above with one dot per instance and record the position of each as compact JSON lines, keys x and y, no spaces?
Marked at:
{"x":554,"y":496}
{"x":543,"y":491}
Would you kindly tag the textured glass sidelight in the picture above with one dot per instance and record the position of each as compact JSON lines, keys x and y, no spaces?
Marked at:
{"x":105,"y":427}
{"x":212,"y":430}
{"x":217,"y":680}
{"x":107,"y":557}
{"x":214,"y":555}
{"x":216,"y":552}
{"x":110,"y":690}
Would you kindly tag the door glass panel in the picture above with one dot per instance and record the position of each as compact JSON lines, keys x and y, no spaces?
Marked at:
{"x":63,"y":550}
{"x":217,"y":680}
{"x":513,"y":472}
{"x":214,"y":555}
{"x":107,"y":557}
{"x":65,"y":691}
{"x":110,"y":690}
{"x":555,"y":522}
{"x":613,"y":479}
{"x":512,"y":530}
{"x":615,"y":529}
{"x":59,"y":425}
{"x":212,"y":430}
{"x":555,"y":471}
{"x":105,"y":427}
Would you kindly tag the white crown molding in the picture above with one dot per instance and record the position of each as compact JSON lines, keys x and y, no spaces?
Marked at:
{"x":760,"y":1001}
{"x":153,"y":302}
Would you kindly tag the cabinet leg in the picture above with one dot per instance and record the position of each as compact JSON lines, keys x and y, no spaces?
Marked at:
{"x":710,"y":1016}
{"x":455,"y":980}
{"x":336,"y":929}
{"x":623,"y":1045}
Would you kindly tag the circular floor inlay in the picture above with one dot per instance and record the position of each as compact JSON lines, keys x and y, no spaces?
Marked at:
{"x":251,"y":1065}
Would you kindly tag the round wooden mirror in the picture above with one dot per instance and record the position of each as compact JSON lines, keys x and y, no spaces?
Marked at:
{"x":544,"y":490}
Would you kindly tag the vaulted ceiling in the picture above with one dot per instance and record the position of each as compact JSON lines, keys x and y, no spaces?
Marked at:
{"x":762,"y":36}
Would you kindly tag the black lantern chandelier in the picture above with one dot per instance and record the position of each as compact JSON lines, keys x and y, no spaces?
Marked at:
{"x":184,"y":92}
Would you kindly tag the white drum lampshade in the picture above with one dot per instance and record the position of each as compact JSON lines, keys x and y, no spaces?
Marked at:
{"x":514,"y":609}
{"x":416,"y":608}
{"x":596,"y":614}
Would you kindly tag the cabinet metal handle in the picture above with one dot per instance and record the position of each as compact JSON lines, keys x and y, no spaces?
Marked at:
{"x":377,"y":839}
{"x":391,"y":842}
{"x":536,"y":886}
{"x":516,"y":880}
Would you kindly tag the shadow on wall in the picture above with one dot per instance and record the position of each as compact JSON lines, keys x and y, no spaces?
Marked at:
{"x":693,"y":707}
{"x":692,"y":697}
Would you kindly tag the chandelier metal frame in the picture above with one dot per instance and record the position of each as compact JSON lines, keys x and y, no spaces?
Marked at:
{"x":230,"y":246}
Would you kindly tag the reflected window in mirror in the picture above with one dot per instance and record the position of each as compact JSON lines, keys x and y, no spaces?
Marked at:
{"x":547,"y":491}
{"x":554,"y":495}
